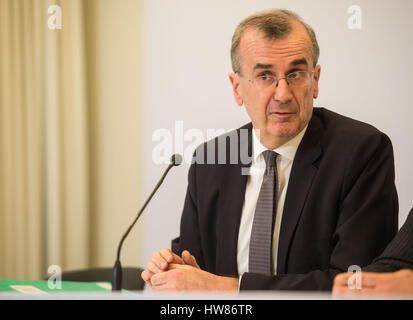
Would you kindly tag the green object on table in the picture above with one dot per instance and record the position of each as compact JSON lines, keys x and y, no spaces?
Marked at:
{"x":66,"y":286}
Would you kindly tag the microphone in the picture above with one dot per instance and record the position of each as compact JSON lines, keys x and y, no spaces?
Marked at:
{"x":176,"y":160}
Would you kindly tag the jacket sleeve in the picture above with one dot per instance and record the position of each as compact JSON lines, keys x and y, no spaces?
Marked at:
{"x":367,"y":219}
{"x":189,"y":230}
{"x":399,"y":253}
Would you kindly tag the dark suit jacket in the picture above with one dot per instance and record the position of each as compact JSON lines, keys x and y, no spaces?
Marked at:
{"x":341,"y":206}
{"x":399,"y":253}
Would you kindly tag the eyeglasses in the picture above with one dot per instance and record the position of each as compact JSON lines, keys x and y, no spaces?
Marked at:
{"x":294,"y":79}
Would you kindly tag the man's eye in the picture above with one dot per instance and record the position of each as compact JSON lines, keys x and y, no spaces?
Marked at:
{"x":265,"y":77}
{"x":294,"y":75}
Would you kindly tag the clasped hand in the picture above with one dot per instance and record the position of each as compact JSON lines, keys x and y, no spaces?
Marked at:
{"x":167,"y":271}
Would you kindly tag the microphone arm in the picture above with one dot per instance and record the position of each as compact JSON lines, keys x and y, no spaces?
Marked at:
{"x":176,"y":160}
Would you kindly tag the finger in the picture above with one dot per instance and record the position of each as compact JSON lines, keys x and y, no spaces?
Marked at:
{"x":369,"y":279}
{"x":342,"y":279}
{"x":159,"y":260}
{"x":167,"y":254}
{"x":159,"y":279}
{"x":178,"y":260}
{"x":146,"y":276}
{"x":154,"y":268}
{"x":169,"y":280}
{"x":173,"y":266}
{"x":189,"y":259}
{"x":170,"y":257}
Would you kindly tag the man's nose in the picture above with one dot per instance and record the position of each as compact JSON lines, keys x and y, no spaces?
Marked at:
{"x":282,"y":92}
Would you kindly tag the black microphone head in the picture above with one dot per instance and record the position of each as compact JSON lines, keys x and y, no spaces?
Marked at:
{"x":176,"y":159}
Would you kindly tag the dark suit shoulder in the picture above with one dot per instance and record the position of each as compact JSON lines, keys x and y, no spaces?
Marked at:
{"x":334,"y":122}
{"x":345,"y":131}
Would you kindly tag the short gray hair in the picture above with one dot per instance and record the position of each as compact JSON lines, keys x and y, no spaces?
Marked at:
{"x":275,"y":24}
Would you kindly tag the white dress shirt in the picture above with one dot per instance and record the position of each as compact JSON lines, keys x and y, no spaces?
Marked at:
{"x":284,"y":163}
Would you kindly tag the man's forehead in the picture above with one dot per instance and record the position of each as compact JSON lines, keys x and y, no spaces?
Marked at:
{"x":295,"y":45}
{"x":256,"y":51}
{"x":297,"y":29}
{"x":296,"y":36}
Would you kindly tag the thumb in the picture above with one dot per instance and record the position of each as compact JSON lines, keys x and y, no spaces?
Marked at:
{"x":189,"y":259}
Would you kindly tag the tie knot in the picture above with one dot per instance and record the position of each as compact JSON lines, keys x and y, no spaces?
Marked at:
{"x":270,"y":158}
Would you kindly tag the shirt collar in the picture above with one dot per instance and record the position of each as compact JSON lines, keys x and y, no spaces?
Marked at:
{"x":287,"y":150}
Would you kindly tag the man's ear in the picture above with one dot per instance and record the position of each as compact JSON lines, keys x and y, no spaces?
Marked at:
{"x":316,"y":75}
{"x":236,"y":88}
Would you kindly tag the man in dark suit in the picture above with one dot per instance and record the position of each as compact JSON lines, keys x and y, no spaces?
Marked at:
{"x":389,"y":274}
{"x":301,"y":194}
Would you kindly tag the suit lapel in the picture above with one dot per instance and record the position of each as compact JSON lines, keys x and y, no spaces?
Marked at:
{"x":301,"y":177}
{"x":231,"y":199}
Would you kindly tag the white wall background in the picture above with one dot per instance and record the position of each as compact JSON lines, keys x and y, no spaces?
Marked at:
{"x":366,"y":74}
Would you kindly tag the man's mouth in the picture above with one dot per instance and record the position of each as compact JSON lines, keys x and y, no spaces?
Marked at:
{"x":281,"y":114}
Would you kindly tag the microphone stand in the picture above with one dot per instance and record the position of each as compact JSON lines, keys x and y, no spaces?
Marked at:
{"x":176,"y":160}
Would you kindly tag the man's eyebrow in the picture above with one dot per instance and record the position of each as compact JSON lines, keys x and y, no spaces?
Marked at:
{"x":263,"y":66}
{"x":296,"y":62}
{"x":299,"y":62}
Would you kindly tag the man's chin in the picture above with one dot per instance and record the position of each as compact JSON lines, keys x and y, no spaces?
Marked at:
{"x":283,"y":130}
